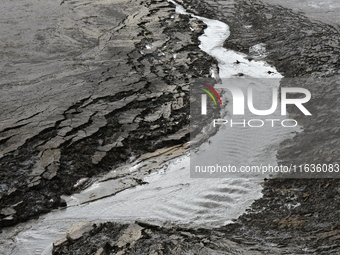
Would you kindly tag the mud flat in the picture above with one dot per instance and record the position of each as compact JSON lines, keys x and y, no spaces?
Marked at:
{"x":171,"y":195}
{"x":295,"y":216}
{"x":48,"y":147}
{"x":84,"y":93}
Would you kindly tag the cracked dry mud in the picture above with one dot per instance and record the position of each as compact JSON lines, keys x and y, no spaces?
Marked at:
{"x":295,"y":216}
{"x":88,"y":92}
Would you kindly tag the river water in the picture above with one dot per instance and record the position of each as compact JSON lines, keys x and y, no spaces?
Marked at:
{"x":171,"y":195}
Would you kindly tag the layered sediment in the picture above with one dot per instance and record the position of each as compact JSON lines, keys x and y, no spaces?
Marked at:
{"x":121,"y":90}
{"x":295,"y":216}
{"x":142,"y":238}
{"x":88,"y":92}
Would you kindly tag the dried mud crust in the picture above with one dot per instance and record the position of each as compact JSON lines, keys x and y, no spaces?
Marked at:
{"x":295,"y":216}
{"x":133,"y":98}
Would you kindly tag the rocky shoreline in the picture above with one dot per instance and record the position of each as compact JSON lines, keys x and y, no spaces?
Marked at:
{"x":159,"y":50}
{"x":132,"y":100}
{"x":299,"y":213}
{"x":295,"y":216}
{"x":143,"y":238}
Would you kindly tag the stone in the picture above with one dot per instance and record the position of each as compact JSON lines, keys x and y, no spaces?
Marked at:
{"x":8,"y":211}
{"x":77,"y":230}
{"x":101,"y":251}
{"x":60,"y":242}
{"x":130,"y":235}
{"x":62,"y":202}
{"x":51,"y":171}
{"x":268,"y":16}
{"x":3,"y":188}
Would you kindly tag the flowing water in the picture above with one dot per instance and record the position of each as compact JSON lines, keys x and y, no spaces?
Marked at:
{"x":171,"y":195}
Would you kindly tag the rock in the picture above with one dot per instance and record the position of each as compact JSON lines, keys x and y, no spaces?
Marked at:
{"x":101,"y":251}
{"x":77,"y":230}
{"x":3,"y":188}
{"x":60,"y":242}
{"x":186,"y":234}
{"x":62,"y":202}
{"x":34,"y":181}
{"x":103,"y":73}
{"x":9,"y":218}
{"x":258,"y":50}
{"x":268,"y":16}
{"x":129,"y":236}
{"x":8,"y":211}
{"x":51,"y":171}
{"x":80,"y":182}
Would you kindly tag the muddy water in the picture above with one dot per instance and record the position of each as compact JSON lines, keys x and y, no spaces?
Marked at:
{"x":170,"y":195}
{"x":242,"y":145}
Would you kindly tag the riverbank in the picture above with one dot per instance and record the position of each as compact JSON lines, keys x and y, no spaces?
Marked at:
{"x":295,"y":216}
{"x":121,"y":91}
{"x":77,"y":138}
{"x":292,"y":209}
